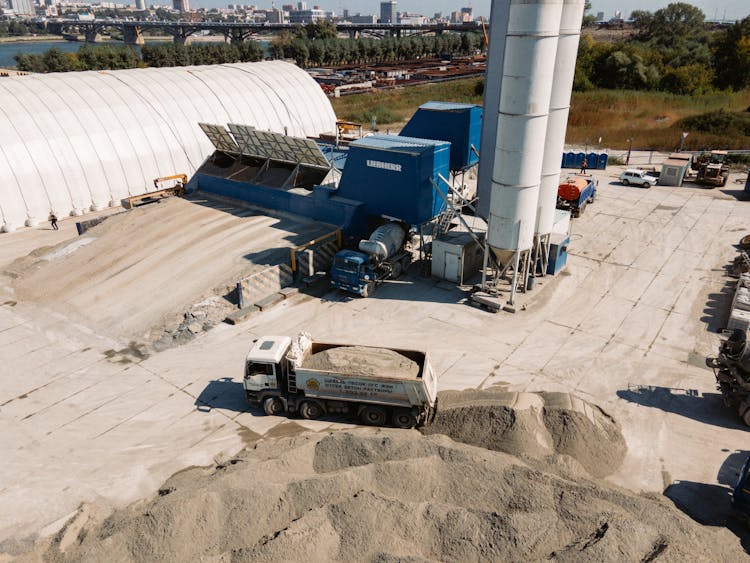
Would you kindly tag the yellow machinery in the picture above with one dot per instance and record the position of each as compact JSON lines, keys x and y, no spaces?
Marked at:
{"x":177,"y":189}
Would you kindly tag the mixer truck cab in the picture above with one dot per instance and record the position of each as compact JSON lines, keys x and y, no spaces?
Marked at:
{"x":384,"y":255}
{"x":352,"y":271}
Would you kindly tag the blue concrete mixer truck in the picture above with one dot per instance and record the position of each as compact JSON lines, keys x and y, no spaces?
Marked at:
{"x":384,"y":255}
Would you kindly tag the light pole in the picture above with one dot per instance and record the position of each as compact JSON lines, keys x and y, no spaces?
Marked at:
{"x":682,"y":140}
{"x":630,"y":146}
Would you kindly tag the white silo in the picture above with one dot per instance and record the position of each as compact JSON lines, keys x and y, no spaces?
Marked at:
{"x":528,"y":65}
{"x":562,"y":86}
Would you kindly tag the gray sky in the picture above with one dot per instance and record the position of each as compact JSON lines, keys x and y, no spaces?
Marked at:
{"x":733,"y":9}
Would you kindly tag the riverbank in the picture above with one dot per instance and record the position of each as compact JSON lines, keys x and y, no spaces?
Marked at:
{"x":30,"y":38}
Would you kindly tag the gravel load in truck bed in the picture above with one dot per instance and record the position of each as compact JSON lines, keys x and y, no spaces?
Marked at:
{"x":363,"y":361}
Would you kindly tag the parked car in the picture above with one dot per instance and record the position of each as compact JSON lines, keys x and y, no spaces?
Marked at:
{"x":637,"y":178}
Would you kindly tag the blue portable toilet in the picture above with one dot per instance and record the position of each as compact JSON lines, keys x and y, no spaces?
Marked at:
{"x":579,"y":156}
{"x":569,"y":160}
{"x":393,"y":175}
{"x":459,"y":124}
{"x":602,"y":164}
{"x":592,"y":160}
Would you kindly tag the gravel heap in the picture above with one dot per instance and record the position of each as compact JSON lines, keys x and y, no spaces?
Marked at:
{"x":388,"y":495}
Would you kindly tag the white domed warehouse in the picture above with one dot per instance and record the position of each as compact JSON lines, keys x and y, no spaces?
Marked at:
{"x":85,"y":140}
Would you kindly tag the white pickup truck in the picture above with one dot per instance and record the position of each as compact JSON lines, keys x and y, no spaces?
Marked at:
{"x":378,"y":385}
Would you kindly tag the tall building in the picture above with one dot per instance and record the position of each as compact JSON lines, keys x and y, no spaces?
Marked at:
{"x":388,"y":12}
{"x":181,"y":5}
{"x":22,"y":7}
{"x":307,"y":16}
{"x":140,"y":5}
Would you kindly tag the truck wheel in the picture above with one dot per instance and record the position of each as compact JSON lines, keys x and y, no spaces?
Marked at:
{"x":367,"y":291}
{"x":374,"y":416}
{"x":273,"y":406}
{"x":745,"y":411}
{"x":625,"y":183}
{"x":396,"y":270}
{"x":311,"y":410}
{"x":403,"y":418}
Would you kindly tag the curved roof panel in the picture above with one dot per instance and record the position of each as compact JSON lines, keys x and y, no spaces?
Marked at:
{"x":85,"y":140}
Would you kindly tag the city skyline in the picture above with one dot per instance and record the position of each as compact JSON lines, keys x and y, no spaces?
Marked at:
{"x":729,"y":9}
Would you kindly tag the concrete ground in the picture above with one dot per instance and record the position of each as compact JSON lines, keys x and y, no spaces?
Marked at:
{"x":626,"y":326}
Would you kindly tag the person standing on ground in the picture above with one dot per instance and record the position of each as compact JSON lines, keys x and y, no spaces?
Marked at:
{"x":53,"y":220}
{"x":584,"y":165}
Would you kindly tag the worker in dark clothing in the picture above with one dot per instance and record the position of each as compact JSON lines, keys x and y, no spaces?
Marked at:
{"x":584,"y":165}
{"x":53,"y":220}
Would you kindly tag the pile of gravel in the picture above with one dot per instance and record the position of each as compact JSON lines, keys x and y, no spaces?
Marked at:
{"x":388,"y":495}
{"x":532,"y":425}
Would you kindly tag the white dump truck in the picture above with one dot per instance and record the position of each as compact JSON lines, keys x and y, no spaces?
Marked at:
{"x":378,"y":385}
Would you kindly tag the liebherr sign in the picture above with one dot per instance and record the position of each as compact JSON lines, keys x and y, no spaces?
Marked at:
{"x":384,"y":165}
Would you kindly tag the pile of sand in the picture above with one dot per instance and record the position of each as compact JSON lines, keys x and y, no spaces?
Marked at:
{"x":387,"y":495}
{"x":363,"y":361}
{"x":532,"y":425}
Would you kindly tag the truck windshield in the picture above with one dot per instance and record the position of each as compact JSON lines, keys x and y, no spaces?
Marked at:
{"x":254,"y":368}
{"x":345,"y":265}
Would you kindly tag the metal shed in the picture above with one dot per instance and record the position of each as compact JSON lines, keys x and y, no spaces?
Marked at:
{"x":673,"y":171}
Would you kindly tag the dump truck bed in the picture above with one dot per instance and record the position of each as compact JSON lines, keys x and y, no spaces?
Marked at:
{"x":377,"y":376}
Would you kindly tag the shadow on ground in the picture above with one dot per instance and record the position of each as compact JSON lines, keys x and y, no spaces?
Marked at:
{"x":707,"y":408}
{"x":738,"y":193}
{"x":717,"y":307}
{"x":710,"y":505}
{"x":224,"y":393}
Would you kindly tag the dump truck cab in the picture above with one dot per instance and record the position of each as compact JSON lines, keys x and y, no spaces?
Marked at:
{"x":352,"y":271}
{"x":266,"y":368}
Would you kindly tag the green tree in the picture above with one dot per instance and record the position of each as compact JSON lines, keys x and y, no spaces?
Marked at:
{"x":588,"y":19}
{"x":678,"y":19}
{"x":55,"y":61}
{"x":692,"y":79}
{"x":299,"y":52}
{"x":732,"y":56}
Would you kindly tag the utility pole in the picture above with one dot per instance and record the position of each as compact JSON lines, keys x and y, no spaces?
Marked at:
{"x":630,"y":146}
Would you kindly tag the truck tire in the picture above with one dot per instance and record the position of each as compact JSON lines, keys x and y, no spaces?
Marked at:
{"x":367,"y":291}
{"x":311,"y":410}
{"x":273,"y":406}
{"x":403,"y":418}
{"x":745,"y":411}
{"x":396,"y":272}
{"x":374,"y":416}
{"x":625,"y":183}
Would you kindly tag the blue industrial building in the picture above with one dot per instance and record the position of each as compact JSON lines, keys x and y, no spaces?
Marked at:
{"x":459,"y":124}
{"x":381,"y":176}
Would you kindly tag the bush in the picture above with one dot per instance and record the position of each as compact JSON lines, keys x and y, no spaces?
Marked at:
{"x":718,"y":123}
{"x":382,"y":114}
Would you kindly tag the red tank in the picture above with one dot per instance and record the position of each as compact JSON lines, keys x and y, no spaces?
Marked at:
{"x":571,"y":188}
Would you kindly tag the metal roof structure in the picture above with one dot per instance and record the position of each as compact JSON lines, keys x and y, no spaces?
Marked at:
{"x":85,"y":140}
